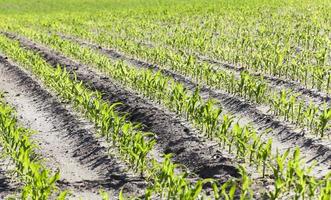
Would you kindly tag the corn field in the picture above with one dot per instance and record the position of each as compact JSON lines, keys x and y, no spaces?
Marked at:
{"x":155,"y":99}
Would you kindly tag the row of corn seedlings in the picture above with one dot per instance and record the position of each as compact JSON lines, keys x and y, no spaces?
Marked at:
{"x":246,"y":85}
{"x":319,"y":121}
{"x":133,"y":144}
{"x":238,"y":140}
{"x":38,"y":181}
{"x":278,"y":52}
{"x":316,"y":118}
{"x":274,"y":47}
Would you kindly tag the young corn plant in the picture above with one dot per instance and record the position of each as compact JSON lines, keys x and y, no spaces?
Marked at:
{"x":325,"y":192}
{"x":264,"y":154}
{"x":38,"y":181}
{"x":226,"y":191}
{"x":324,"y":121}
{"x":245,"y":190}
{"x":278,"y":168}
{"x":170,"y":184}
{"x":210,"y":116}
{"x":224,"y":129}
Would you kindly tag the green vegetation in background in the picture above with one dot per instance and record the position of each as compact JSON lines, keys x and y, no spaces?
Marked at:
{"x":9,"y":7}
{"x":54,"y":6}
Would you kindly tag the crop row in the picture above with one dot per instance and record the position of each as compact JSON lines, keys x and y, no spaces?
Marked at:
{"x":38,"y":181}
{"x":311,"y":116}
{"x":244,"y":139}
{"x":290,"y":47}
